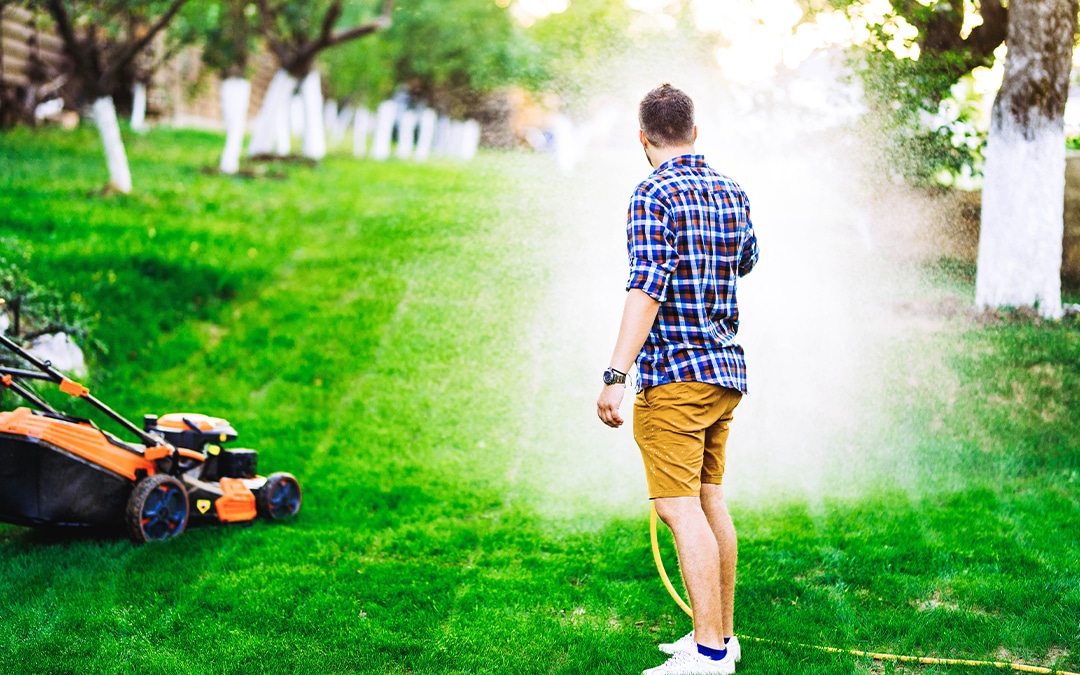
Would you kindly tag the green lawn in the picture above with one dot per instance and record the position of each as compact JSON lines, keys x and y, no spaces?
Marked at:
{"x":416,"y":343}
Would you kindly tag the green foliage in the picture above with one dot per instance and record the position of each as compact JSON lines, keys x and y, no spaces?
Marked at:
{"x":923,"y":125}
{"x":445,"y":53}
{"x":35,"y":308}
{"x":367,"y":326}
{"x":920,"y":132}
{"x":579,"y":44}
{"x":225,"y":31}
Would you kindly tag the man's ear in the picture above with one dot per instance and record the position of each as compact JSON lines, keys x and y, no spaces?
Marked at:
{"x":695,"y":133}
{"x":641,"y":137}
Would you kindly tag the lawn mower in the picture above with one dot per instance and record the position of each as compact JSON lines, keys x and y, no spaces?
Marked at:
{"x":60,"y":470}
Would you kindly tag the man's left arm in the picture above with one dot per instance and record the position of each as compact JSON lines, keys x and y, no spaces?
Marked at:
{"x":639,"y":313}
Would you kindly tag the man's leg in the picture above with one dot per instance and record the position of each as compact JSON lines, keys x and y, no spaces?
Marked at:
{"x":699,"y":561}
{"x":716,"y":511}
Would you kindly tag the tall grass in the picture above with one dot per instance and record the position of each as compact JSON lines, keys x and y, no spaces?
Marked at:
{"x":366,"y":326}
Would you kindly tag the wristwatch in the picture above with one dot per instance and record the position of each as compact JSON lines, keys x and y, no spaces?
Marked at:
{"x":612,"y":376}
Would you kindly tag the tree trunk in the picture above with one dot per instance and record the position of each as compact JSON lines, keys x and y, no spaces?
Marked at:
{"x":470,"y":140}
{"x":314,"y":146}
{"x":428,"y":118}
{"x":406,"y":134}
{"x":115,"y":157}
{"x":441,"y":145}
{"x":385,"y":117}
{"x":235,"y":98}
{"x":138,"y":108}
{"x":1019,"y":263}
{"x":330,"y":115}
{"x":341,"y":125}
{"x":360,"y":131}
{"x":273,"y":117}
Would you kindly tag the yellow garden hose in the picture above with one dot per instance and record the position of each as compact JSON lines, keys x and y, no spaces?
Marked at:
{"x":926,"y":660}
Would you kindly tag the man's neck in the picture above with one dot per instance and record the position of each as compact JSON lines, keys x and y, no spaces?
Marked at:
{"x":661,"y":155}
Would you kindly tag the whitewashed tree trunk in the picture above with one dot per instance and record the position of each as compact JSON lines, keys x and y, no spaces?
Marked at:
{"x":138,"y":108}
{"x":1020,"y":242}
{"x":314,"y":131}
{"x":296,"y":115}
{"x":385,"y":117}
{"x":470,"y":141}
{"x":235,"y":98}
{"x":115,"y":156}
{"x":426,"y":136}
{"x":406,"y":134}
{"x":361,"y":123}
{"x":273,"y":117}
{"x":341,"y":125}
{"x":442,"y":135}
{"x":330,"y":112}
{"x":456,"y":141}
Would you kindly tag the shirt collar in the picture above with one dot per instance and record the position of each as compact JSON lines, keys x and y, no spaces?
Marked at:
{"x":697,"y":160}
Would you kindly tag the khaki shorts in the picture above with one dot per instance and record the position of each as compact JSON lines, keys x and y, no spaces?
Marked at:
{"x":682,"y":430}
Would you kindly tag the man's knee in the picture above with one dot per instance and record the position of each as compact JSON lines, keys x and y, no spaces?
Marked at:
{"x":675,"y":510}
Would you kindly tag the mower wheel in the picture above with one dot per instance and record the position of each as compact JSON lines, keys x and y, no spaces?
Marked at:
{"x":157,"y":509}
{"x":279,"y":498}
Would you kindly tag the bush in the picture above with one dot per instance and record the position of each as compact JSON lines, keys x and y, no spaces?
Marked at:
{"x":32,"y":309}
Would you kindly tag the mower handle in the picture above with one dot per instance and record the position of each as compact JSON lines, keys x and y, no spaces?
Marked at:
{"x":53,"y":375}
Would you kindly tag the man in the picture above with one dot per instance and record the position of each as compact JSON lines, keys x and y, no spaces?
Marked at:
{"x":689,"y":239}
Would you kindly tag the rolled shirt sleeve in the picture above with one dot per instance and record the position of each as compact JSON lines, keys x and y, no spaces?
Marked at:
{"x":650,"y":245}
{"x":749,"y":255}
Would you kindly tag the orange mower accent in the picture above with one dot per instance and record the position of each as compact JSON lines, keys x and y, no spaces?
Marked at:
{"x":237,"y":503}
{"x":73,"y":388}
{"x":82,"y":440}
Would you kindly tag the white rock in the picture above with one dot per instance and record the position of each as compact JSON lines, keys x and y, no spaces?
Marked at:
{"x":61,"y":351}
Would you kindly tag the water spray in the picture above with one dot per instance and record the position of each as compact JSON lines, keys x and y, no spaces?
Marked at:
{"x":923,"y":660}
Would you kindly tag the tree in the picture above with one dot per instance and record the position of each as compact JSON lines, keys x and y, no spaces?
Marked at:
{"x":574,"y":42}
{"x":454,"y":57}
{"x":905,"y":81}
{"x":102,"y":40}
{"x":1020,"y":242}
{"x":227,"y":29}
{"x":296,"y":33}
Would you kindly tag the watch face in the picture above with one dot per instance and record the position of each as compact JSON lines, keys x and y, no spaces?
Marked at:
{"x":611,"y":377}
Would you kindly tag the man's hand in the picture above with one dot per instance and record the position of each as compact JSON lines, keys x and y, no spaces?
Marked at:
{"x":607,"y":406}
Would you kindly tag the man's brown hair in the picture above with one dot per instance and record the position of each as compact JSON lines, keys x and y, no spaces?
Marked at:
{"x":666,"y":115}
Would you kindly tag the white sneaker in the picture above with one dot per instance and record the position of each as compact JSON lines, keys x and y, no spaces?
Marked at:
{"x":683,"y":644}
{"x":692,"y":663}
{"x":686,"y":643}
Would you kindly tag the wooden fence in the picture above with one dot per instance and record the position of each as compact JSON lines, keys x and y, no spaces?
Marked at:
{"x":22,"y":40}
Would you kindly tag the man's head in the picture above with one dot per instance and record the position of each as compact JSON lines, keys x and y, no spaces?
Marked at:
{"x":666,"y":117}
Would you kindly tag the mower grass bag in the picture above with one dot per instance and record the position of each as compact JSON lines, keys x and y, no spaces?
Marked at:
{"x":60,"y":470}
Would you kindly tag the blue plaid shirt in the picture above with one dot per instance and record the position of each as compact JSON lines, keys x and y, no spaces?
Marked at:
{"x":690,"y":238}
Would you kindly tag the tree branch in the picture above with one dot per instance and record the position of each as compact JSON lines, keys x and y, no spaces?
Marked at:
{"x":300,"y":62}
{"x":381,"y":23}
{"x":266,"y":25}
{"x":985,"y":39}
{"x":333,"y":13}
{"x":85,"y":64}
{"x":134,"y":47}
